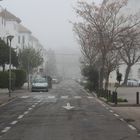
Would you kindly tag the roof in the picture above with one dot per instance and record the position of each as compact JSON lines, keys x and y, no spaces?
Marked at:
{"x":23,"y":29}
{"x":34,"y":38}
{"x":9,"y":16}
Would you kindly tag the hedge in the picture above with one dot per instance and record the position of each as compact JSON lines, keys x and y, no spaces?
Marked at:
{"x":4,"y":80}
{"x":20,"y":77}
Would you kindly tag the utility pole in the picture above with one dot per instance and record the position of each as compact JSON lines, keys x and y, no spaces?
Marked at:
{"x":10,"y":37}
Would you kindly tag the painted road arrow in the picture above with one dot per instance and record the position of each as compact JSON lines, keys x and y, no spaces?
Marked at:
{"x":68,"y":107}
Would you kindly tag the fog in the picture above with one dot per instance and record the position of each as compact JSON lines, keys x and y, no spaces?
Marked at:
{"x":49,"y":22}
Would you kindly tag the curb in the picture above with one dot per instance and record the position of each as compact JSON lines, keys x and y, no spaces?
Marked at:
{"x":116,"y":114}
{"x":8,"y":101}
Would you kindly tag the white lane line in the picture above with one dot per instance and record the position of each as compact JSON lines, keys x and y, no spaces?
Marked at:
{"x":77,"y":97}
{"x":107,"y":108}
{"x":64,"y":97}
{"x":90,"y":97}
{"x":132,"y":127}
{"x":122,"y":119}
{"x":51,"y":97}
{"x":24,"y":97}
{"x":87,"y":93}
{"x":30,"y":108}
{"x":26,"y":112}
{"x":39,"y":101}
{"x":111,"y":111}
{"x":20,"y":116}
{"x":116,"y":115}
{"x":33,"y":106}
{"x":6,"y":129}
{"x":14,"y":122}
{"x":104,"y":105}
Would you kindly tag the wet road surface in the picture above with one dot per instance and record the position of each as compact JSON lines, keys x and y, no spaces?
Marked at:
{"x":47,"y":116}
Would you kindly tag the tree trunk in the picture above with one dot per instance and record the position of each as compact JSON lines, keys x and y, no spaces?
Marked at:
{"x":107,"y":81}
{"x":126,"y":74}
{"x":101,"y":78}
{"x":3,"y":67}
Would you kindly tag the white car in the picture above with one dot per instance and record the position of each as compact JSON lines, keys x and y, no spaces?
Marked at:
{"x":39,"y":84}
{"x":132,"y":82}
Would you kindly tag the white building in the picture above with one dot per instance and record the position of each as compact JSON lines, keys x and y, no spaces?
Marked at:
{"x":9,"y":26}
{"x":24,"y":36}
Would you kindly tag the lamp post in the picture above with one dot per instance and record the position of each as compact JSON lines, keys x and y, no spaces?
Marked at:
{"x":9,"y":38}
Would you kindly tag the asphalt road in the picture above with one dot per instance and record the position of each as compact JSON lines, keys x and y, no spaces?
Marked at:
{"x":43,"y":116}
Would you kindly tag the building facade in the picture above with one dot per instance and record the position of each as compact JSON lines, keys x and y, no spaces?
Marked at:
{"x":11,"y":25}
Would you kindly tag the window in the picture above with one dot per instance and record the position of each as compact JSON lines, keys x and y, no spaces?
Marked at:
{"x":23,"y":39}
{"x":19,"y":39}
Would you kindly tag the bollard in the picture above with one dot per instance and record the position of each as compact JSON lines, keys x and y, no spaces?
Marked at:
{"x":115,"y":98}
{"x":109,"y":95}
{"x":137,"y":98}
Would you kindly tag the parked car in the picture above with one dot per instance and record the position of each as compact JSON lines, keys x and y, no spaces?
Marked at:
{"x":39,"y":84}
{"x":132,"y":82}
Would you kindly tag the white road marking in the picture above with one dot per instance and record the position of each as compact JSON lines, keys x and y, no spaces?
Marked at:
{"x":14,"y":122}
{"x":90,"y":97}
{"x":107,"y":108}
{"x":132,"y":127}
{"x":87,"y":93}
{"x":116,"y":115}
{"x":64,"y":97}
{"x":6,"y":129}
{"x":24,"y":97}
{"x":30,"y":108}
{"x":39,"y":101}
{"x":51,"y":97}
{"x":26,"y":112}
{"x":33,"y":106}
{"x":20,"y":116}
{"x":104,"y":105}
{"x":68,"y":107}
{"x":111,"y":111}
{"x":77,"y":97}
{"x":122,"y":119}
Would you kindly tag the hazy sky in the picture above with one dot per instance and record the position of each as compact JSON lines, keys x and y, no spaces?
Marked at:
{"x":47,"y":19}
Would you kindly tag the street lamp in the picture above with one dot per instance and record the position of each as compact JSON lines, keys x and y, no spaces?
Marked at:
{"x":10,"y":37}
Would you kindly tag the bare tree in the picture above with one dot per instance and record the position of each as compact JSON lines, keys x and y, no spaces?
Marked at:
{"x":87,"y":40}
{"x":130,"y":51}
{"x":112,"y":62}
{"x":108,"y":23}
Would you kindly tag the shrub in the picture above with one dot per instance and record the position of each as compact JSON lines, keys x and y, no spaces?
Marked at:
{"x":92,"y":77}
{"x":20,"y":77}
{"x":4,"y":80}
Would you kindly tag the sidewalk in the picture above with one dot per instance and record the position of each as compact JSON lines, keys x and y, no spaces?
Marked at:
{"x":4,"y":94}
{"x":130,"y":115}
